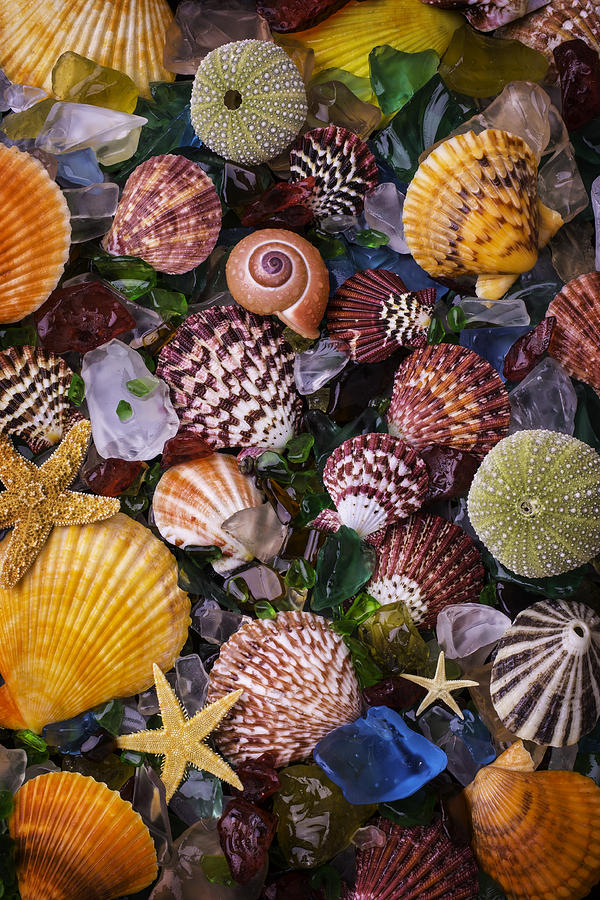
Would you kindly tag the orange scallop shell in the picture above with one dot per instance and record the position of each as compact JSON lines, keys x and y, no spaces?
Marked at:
{"x":575,"y":340}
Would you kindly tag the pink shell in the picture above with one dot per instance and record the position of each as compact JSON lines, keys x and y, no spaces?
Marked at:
{"x":575,"y":340}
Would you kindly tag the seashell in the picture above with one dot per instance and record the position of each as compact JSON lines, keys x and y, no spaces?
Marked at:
{"x":342,"y":165}
{"x":36,"y":234}
{"x":545,"y":683}
{"x":535,"y":503}
{"x":231,"y":376}
{"x":451,"y":396}
{"x":248,"y":101}
{"x":374,"y":313}
{"x":575,"y":340}
{"x":85,"y":624}
{"x":127,"y":35}
{"x":277,"y":271}
{"x":486,"y":15}
{"x":535,"y":833}
{"x":169,"y":215}
{"x":193,"y":499}
{"x":427,"y":563}
{"x":299,"y":683}
{"x":33,"y":397}
{"x":472,"y":209}
{"x":78,"y":840}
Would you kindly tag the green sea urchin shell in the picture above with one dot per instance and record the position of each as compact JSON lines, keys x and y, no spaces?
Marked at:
{"x":535,"y":503}
{"x":248,"y":101}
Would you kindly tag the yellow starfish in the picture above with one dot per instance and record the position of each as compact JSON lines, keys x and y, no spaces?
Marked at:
{"x":181,"y":740}
{"x":37,"y":499}
{"x":439,"y":688}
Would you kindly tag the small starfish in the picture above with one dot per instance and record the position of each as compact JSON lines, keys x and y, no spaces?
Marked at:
{"x":37,"y":499}
{"x":181,"y":740}
{"x":439,"y":688}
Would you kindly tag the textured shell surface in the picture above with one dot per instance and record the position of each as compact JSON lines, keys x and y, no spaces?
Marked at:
{"x":33,"y":397}
{"x":299,"y":684}
{"x":98,"y":607}
{"x":231,"y":376}
{"x":248,"y":101}
{"x":485,"y":15}
{"x":35,"y":235}
{"x":77,"y":840}
{"x":575,"y":340}
{"x":535,"y":503}
{"x":169,"y":215}
{"x":451,"y":396}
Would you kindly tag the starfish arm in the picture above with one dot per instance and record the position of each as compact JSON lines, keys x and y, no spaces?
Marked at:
{"x":72,"y":508}
{"x":10,"y":508}
{"x":208,"y":761}
{"x":459,"y":685}
{"x":144,"y":742}
{"x":173,"y":772}
{"x":172,"y":713}
{"x":60,"y":470}
{"x":447,"y":698}
{"x":418,"y":679}
{"x":425,"y":702}
{"x":208,"y":718}
{"x":26,"y":541}
{"x":14,"y":468}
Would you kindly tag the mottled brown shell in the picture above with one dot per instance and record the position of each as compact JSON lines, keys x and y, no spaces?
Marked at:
{"x":486,"y":15}
{"x":575,"y":340}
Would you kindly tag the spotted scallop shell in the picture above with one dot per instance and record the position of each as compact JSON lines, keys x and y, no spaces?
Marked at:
{"x":451,"y":396}
{"x":298,"y":682}
{"x":231,"y":376}
{"x":575,"y":340}
{"x":486,"y":15}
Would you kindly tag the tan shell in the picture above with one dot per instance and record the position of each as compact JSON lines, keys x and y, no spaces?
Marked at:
{"x":575,"y":340}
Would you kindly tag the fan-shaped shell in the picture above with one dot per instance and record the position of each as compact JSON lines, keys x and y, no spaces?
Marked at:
{"x":575,"y":340}
{"x":78,"y":840}
{"x":35,"y":235}
{"x":298,"y":682}
{"x":193,"y":499}
{"x":169,"y":215}
{"x":98,"y":607}
{"x":277,"y":271}
{"x":472,"y":209}
{"x":486,"y":15}
{"x":536,"y":833}
{"x":231,"y":376}
{"x":451,"y":396}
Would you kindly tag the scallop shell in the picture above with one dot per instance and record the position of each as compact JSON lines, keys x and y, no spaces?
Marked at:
{"x":575,"y":340}
{"x":485,"y":15}
{"x":298,"y":682}
{"x":78,"y":840}
{"x":428,"y":563}
{"x":536,"y":833}
{"x":33,"y":397}
{"x":545,"y":683}
{"x":193,"y":499}
{"x":85,"y":624}
{"x":535,"y":503}
{"x":127,"y":35}
{"x":277,"y":271}
{"x":472,"y":209}
{"x":451,"y":396}
{"x":231,"y":376}
{"x":35,"y":235}
{"x":375,"y":313}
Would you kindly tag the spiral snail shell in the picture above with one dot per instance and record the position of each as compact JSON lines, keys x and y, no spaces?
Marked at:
{"x":277,"y":271}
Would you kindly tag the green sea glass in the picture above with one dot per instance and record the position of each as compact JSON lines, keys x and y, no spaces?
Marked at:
{"x":396,"y":76}
{"x":80,"y":80}
{"x":344,"y":564}
{"x":27,"y":124}
{"x":394,"y":642}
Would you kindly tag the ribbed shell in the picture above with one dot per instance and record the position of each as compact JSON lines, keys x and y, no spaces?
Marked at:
{"x":535,"y":503}
{"x":33,"y":397}
{"x":428,"y":563}
{"x":451,"y":396}
{"x":375,"y":313}
{"x":193,"y":499}
{"x":486,"y":15}
{"x":298,"y":682}
{"x":98,"y":607}
{"x":231,"y":376}
{"x":169,"y":215}
{"x":35,"y":235}
{"x":78,"y":840}
{"x":575,"y":340}
{"x":127,"y":35}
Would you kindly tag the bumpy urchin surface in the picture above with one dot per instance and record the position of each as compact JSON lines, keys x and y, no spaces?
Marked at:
{"x":535,"y":503}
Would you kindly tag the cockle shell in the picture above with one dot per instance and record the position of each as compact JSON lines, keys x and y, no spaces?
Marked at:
{"x":77,"y":840}
{"x":231,"y":376}
{"x":35,"y":235}
{"x":33,"y":397}
{"x":535,"y":503}
{"x":472,"y":209}
{"x":575,"y":340}
{"x":536,"y":833}
{"x":427,"y":563}
{"x":451,"y":396}
{"x":277,"y":271}
{"x":169,"y":215}
{"x":545,"y":683}
{"x":485,"y":15}
{"x":375,"y":313}
{"x":299,"y":683}
{"x":193,"y":499}
{"x":85,"y":624}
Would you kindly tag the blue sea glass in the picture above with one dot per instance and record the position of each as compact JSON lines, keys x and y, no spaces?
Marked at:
{"x":492,"y":343}
{"x":78,"y":169}
{"x":466,"y":742}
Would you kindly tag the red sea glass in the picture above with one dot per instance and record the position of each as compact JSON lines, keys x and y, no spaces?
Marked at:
{"x":578,"y":66}
{"x":246,"y":833}
{"x":110,"y":477}
{"x":259,"y":778}
{"x":185,"y":446}
{"x":296,"y":15}
{"x":281,"y":206}
{"x":80,"y":318}
{"x":451,"y":472}
{"x":528,"y":350}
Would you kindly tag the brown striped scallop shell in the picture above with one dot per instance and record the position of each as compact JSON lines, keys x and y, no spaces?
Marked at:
{"x":575,"y":340}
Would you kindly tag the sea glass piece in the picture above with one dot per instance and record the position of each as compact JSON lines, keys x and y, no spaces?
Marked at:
{"x":334,"y":103}
{"x":451,"y":471}
{"x":560,"y":185}
{"x":111,"y":477}
{"x":467,"y":632}
{"x":344,"y":565}
{"x":492,"y":343}
{"x":544,"y":399}
{"x":578,"y":66}
{"x":259,"y":530}
{"x":319,"y":364}
{"x":214,"y":624}
{"x":19,"y":97}
{"x":149,"y":800}
{"x":393,"y":640}
{"x":396,"y":76}
{"x":12,"y":769}
{"x":528,"y":350}
{"x":192,"y":682}
{"x":259,"y":777}
{"x":395,"y":692}
{"x":112,"y":135}
{"x":246,"y":832}
{"x":186,"y":445}
{"x":523,"y":108}
{"x":466,"y":742}
{"x":200,"y":796}
{"x":80,"y":80}
{"x":27,"y":124}
{"x":81,"y":317}
{"x":573,"y":250}
{"x":383,"y":212}
{"x":506,"y":313}
{"x":92,"y":209}
{"x":78,"y":169}
{"x":294,"y":15}
{"x":283,"y":205}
